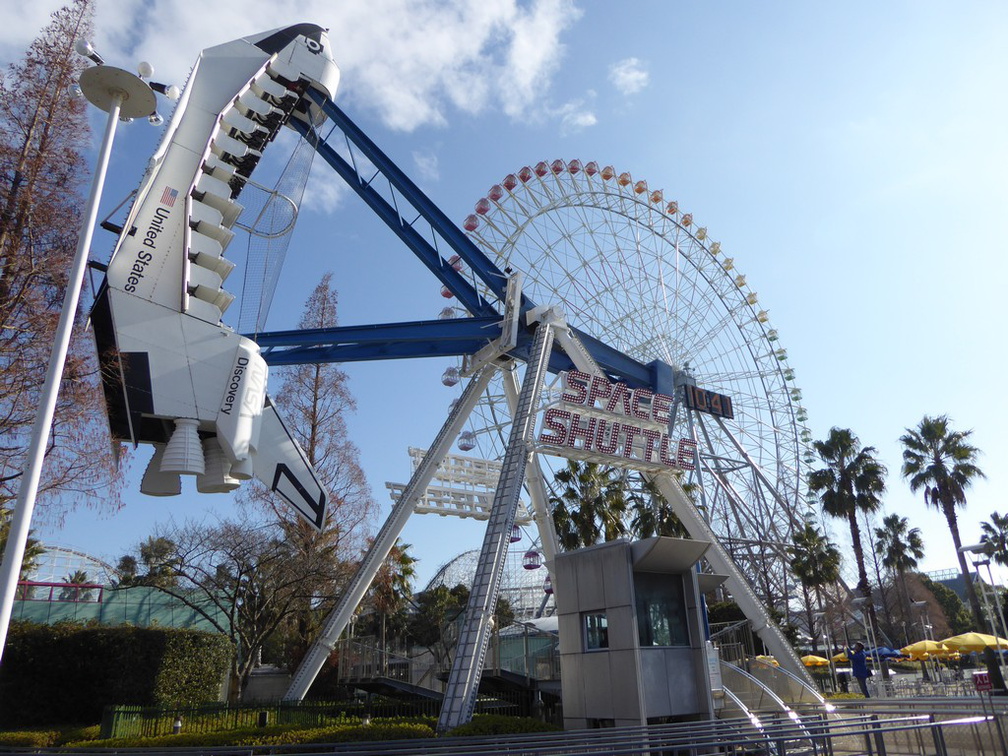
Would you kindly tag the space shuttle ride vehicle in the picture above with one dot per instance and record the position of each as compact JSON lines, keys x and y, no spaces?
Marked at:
{"x":174,"y":375}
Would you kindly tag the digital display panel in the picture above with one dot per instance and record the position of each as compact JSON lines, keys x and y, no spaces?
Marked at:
{"x":707,"y":401}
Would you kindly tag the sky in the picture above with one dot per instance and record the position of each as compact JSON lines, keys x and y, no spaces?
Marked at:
{"x":850,"y":157}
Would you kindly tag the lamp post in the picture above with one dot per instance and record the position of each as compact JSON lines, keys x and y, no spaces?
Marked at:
{"x":995,"y":599}
{"x":824,"y":619}
{"x":925,"y":620}
{"x":984,"y":549}
{"x":866,"y":619}
{"x":124,"y":96}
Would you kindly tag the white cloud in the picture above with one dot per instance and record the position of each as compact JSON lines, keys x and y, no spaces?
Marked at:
{"x":575,"y":116}
{"x":324,"y":192}
{"x":629,"y":76}
{"x":410,"y":61}
{"x":426,"y":165}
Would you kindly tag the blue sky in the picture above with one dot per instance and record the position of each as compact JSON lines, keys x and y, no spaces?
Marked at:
{"x":851,"y":158}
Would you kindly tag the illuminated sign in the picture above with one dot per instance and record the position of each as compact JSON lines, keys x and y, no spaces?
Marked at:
{"x":702,"y":400}
{"x":596,"y":420}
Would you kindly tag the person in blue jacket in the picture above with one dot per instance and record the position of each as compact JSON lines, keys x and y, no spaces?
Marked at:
{"x":859,"y":667}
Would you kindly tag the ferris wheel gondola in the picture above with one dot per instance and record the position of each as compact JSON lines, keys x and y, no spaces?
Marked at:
{"x":632,"y":269}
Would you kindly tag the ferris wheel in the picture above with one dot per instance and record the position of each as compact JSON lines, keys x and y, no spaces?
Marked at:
{"x":630,"y":268}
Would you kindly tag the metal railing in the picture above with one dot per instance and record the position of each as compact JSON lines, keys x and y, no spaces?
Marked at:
{"x":532,"y":655}
{"x":359,"y":660}
{"x":855,"y":733}
{"x":155,"y":721}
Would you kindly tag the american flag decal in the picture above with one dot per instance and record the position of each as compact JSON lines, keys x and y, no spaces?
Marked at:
{"x":169,"y":196}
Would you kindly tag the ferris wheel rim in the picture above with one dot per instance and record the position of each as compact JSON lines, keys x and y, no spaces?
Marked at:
{"x":510,"y":212}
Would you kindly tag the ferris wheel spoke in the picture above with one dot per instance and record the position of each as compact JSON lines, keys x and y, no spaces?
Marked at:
{"x":637,"y":273}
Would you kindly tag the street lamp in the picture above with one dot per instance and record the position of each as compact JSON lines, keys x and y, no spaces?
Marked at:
{"x":124,"y":96}
{"x":986,"y":549}
{"x":866,"y":620}
{"x":824,"y":619}
{"x":998,"y":613}
{"x":925,"y":620}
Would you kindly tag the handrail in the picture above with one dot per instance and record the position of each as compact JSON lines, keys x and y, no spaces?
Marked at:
{"x":814,"y":692}
{"x":766,"y":690}
{"x":728,"y":736}
{"x":730,"y":628}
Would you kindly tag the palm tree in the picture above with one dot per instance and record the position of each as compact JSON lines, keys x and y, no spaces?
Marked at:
{"x":33,"y":551}
{"x":942,"y":462}
{"x":392,"y":587}
{"x":901,"y":547}
{"x":815,"y":562}
{"x":852,"y":481}
{"x":72,"y":591}
{"x":591,"y":506}
{"x":995,"y":536}
{"x":651,"y":514}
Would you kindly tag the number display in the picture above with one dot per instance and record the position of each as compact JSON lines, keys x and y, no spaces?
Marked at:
{"x":707,"y":401}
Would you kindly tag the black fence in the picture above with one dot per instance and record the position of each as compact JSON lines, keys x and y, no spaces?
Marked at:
{"x":870,"y":735}
{"x":152,"y":721}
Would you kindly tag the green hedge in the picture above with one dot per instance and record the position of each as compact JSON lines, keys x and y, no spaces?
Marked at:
{"x":275,"y":735}
{"x":67,"y":673}
{"x":495,"y":724}
{"x":48,"y":738}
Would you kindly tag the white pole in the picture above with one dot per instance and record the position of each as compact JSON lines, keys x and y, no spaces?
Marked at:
{"x":17,"y":538}
{"x":1002,"y":627}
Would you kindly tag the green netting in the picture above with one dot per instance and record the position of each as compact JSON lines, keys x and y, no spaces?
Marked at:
{"x":140,"y":606}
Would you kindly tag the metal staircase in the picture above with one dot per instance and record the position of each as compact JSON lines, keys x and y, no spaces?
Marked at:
{"x":463,"y":682}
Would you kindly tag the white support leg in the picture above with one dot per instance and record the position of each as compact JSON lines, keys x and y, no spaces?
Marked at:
{"x":337,"y":621}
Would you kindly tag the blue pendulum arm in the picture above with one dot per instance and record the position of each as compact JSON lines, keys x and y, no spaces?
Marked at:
{"x":385,"y":341}
{"x":438,"y":224}
{"x":438,"y":338}
{"x":423,"y":239}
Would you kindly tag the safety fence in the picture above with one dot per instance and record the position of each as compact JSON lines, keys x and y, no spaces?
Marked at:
{"x":874,"y":735}
{"x":143,"y":606}
{"x":153,"y":721}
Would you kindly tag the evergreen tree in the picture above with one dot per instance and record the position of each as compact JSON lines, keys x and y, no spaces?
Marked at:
{"x":815,"y":562}
{"x":591,"y":505}
{"x":33,"y":550}
{"x":900,"y":547}
{"x":73,"y":591}
{"x":391,"y":590}
{"x":995,"y":537}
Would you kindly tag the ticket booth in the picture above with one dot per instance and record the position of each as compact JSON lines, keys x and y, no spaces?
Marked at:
{"x":632,"y":637}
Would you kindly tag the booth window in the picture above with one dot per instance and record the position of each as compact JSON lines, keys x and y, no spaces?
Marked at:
{"x":661,"y":610}
{"x":596,"y":631}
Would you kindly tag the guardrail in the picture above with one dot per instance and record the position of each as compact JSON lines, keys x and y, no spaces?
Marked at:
{"x":922,"y":735}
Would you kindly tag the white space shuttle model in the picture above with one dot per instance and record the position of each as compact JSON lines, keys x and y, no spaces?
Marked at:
{"x":174,"y":375}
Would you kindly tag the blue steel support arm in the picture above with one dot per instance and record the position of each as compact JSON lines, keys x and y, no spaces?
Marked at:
{"x":485,"y":270}
{"x":423,"y":249}
{"x":434,"y":338}
{"x":392,"y":343}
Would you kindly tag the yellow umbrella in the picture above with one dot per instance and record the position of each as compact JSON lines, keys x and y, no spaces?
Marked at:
{"x":841,"y":657}
{"x":814,"y":661}
{"x":974,"y":642}
{"x":768,"y":660}
{"x":924,"y":649}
